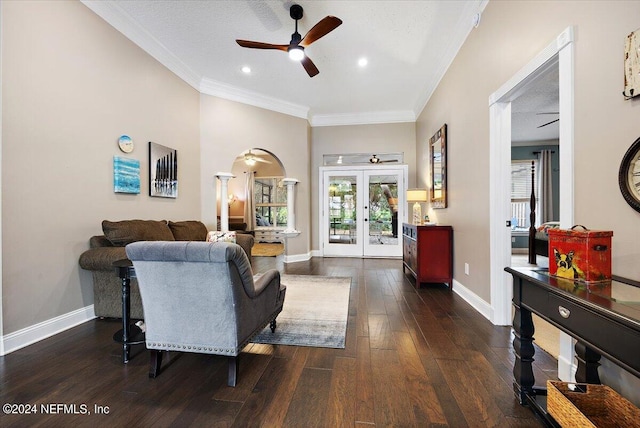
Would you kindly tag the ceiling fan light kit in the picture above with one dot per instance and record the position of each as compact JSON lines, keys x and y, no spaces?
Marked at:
{"x":296,"y":46}
{"x":296,"y":53}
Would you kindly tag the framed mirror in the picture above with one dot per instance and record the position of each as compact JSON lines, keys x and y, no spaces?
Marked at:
{"x":438,"y":160}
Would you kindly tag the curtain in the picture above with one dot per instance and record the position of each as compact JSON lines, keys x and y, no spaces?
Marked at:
{"x":249,"y":201}
{"x":545,"y":195}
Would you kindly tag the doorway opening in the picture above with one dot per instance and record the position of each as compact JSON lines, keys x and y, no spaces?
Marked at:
{"x":558,"y":54}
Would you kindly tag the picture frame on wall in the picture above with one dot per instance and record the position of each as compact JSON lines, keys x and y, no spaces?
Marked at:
{"x":163,"y":171}
{"x":126,"y":175}
{"x":438,"y":164}
{"x":632,"y":65}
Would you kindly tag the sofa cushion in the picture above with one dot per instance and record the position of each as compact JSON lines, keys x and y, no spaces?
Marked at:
{"x":99,"y":242}
{"x":190,"y":230}
{"x":121,"y":233}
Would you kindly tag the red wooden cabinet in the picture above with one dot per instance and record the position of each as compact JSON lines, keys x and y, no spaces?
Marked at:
{"x":428,"y":253}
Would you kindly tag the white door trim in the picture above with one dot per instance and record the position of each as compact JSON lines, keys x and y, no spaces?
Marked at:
{"x":559,"y":52}
{"x":1,"y":290}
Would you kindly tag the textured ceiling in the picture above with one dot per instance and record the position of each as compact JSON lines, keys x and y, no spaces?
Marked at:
{"x":537,"y":106}
{"x":408,"y":44}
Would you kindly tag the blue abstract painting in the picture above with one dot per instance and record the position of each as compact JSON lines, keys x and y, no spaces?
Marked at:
{"x":126,"y":175}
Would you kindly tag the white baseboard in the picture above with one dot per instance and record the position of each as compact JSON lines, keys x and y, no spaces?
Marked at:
{"x":29,"y":335}
{"x":566,"y":367}
{"x":471,"y":298}
{"x":316,"y":253}
{"x":297,"y":258}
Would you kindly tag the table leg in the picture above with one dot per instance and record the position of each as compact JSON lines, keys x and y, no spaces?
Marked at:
{"x":126,"y":306}
{"x":588,"y":363}
{"x":523,"y":346}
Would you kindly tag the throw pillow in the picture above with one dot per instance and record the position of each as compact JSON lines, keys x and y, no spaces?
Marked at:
{"x":121,"y":233}
{"x":216,"y":236}
{"x":190,"y":230}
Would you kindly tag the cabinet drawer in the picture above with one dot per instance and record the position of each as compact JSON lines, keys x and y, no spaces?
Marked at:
{"x":602,"y":332}
{"x":409,"y":231}
{"x":268,"y":235}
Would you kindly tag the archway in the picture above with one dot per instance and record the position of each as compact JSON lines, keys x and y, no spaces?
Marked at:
{"x":257,"y":196}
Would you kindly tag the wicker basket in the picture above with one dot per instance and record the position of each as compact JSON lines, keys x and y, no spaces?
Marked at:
{"x":597,"y":406}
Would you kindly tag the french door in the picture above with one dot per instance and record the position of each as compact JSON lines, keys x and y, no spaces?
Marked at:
{"x":362,"y":209}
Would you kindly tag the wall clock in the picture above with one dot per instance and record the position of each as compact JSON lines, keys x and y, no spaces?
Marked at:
{"x":125,"y":143}
{"x":629,"y":176}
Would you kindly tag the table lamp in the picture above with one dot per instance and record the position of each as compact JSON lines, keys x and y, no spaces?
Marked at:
{"x":417,"y":196}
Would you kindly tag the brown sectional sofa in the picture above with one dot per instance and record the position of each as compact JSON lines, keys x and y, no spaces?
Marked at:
{"x":106,"y":249}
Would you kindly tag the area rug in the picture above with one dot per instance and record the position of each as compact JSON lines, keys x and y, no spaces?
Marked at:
{"x":314,"y":314}
{"x":261,"y":249}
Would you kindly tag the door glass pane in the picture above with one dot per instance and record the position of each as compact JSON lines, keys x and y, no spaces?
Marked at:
{"x":383,"y":210}
{"x":342,"y":210}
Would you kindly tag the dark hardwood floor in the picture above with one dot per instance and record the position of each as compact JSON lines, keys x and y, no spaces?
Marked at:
{"x":413,"y":358}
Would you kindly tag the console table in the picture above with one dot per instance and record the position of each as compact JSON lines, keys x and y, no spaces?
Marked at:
{"x":603,"y":317}
{"x":130,"y":334}
{"x":427,"y":251}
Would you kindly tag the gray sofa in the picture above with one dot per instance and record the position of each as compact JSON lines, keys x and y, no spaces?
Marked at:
{"x":106,"y":249}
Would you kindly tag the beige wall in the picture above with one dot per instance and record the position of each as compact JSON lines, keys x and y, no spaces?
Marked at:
{"x":382,"y":138}
{"x":509,"y":36}
{"x":71,"y":86}
{"x":228,"y":128}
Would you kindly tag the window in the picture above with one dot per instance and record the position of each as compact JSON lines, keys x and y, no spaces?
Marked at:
{"x":271,"y":202}
{"x":521,"y":192}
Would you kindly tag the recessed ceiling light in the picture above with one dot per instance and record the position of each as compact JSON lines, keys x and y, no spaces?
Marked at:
{"x":246,"y":69}
{"x":362,"y":62}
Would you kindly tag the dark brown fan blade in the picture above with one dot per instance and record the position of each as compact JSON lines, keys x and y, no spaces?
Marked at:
{"x":260,"y":45}
{"x":549,"y":123}
{"x":308,"y":65}
{"x":321,"y":29}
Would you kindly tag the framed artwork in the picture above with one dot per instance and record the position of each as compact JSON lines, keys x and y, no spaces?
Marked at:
{"x":163,"y":171}
{"x":632,"y":65}
{"x":126,"y":175}
{"x":438,"y":161}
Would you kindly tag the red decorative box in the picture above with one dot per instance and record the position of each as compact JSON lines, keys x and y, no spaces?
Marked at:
{"x":583,"y":255}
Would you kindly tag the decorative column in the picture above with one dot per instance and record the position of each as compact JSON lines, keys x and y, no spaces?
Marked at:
{"x":290,"y":231}
{"x":224,"y":178}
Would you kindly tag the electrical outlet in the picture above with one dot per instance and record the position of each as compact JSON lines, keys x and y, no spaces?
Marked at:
{"x":466,"y":268}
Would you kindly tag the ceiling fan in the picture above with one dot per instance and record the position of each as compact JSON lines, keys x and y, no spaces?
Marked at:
{"x":297,"y":44}
{"x":549,"y":123}
{"x":251,"y":158}
{"x":374,"y":159}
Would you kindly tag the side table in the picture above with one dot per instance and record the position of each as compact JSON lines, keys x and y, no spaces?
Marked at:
{"x":130,"y":334}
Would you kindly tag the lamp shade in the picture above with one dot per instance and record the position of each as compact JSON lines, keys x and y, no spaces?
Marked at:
{"x":416,"y":195}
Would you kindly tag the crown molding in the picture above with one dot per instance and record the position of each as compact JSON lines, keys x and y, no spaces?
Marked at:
{"x":233,"y":93}
{"x":130,"y":28}
{"x":115,"y":16}
{"x":367,"y":118}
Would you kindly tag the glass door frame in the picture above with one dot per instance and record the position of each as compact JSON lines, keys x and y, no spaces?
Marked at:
{"x":361,"y":247}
